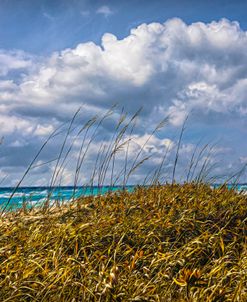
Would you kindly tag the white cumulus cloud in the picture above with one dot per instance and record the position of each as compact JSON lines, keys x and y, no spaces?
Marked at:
{"x":169,"y":68}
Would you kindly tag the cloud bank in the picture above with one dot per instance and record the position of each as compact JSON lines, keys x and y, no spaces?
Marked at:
{"x":168,"y":69}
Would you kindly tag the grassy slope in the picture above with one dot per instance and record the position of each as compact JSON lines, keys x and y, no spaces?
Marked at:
{"x":171,"y":243}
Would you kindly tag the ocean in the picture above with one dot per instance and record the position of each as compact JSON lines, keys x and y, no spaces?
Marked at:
{"x":35,"y":196}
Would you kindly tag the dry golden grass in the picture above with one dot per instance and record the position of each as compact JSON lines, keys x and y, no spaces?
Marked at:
{"x":164,"y":243}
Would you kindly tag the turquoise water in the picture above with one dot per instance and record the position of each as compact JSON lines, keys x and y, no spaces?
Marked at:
{"x":238,"y":187}
{"x":37,"y":195}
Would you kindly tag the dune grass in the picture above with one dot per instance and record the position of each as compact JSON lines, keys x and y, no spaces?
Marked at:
{"x":161,"y":243}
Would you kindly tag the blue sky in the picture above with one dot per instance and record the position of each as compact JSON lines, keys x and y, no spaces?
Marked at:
{"x":45,"y":26}
{"x":170,"y":57}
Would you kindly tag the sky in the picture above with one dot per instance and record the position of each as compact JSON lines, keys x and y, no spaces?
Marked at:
{"x":171,"y":58}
